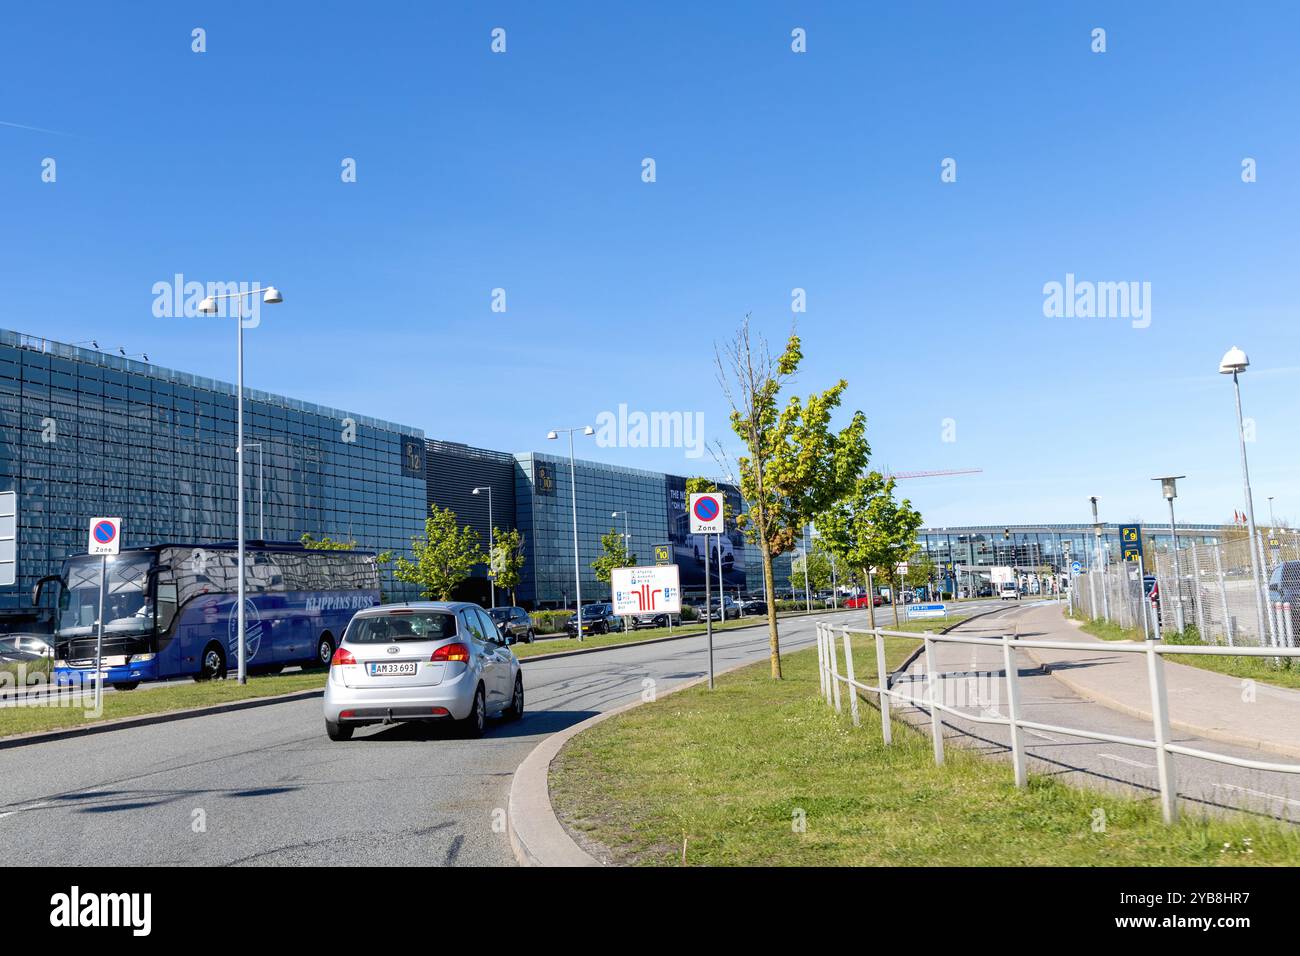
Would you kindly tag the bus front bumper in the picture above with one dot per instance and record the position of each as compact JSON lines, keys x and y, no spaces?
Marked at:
{"x":115,"y":671}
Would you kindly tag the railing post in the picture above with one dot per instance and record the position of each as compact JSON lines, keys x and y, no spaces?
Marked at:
{"x":1160,"y":721}
{"x":848,"y":666}
{"x":835,"y":667}
{"x":932,"y":679}
{"x":1013,"y":708}
{"x":1223,"y":595}
{"x":1196,"y":597}
{"x":1286,"y":619}
{"x":882,"y":681}
{"x":821,"y":656}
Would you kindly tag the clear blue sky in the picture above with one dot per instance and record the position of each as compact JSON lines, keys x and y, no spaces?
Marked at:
{"x":775,"y":171}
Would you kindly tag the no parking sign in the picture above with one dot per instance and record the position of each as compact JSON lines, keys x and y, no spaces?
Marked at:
{"x":105,"y":536}
{"x":706,"y":513}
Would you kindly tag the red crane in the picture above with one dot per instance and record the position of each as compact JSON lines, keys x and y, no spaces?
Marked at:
{"x":930,"y":474}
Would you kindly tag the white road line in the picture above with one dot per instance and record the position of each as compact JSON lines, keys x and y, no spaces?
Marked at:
{"x":1039,"y":733}
{"x":1131,"y":763}
{"x":1257,"y":793}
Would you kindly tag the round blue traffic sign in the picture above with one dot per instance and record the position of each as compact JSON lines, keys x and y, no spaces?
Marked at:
{"x":706,"y":509}
{"x":105,"y":532}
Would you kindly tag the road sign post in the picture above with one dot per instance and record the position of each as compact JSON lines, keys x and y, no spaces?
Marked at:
{"x":105,"y":539}
{"x":706,"y":518}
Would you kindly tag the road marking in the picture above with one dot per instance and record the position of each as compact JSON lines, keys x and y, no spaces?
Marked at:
{"x":1131,"y":763}
{"x":1256,"y":793}
{"x":1039,"y":733}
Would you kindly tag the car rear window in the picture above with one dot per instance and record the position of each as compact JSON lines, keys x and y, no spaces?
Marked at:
{"x":387,"y":628}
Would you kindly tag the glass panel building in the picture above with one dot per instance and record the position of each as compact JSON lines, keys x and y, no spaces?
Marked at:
{"x":83,"y":433}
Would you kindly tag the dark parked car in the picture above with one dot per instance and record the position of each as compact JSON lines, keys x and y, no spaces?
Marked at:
{"x":514,"y":623}
{"x":640,"y":621}
{"x":729,"y":608}
{"x":596,"y":619}
{"x":755,"y":606}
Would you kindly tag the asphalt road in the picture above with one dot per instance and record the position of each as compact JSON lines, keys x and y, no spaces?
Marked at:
{"x":1203,"y":786}
{"x":266,"y":787}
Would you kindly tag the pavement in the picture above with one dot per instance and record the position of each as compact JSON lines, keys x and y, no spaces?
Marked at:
{"x":267,"y":787}
{"x":1100,"y":691}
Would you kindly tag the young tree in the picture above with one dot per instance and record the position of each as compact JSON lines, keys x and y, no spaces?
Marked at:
{"x":507,"y":561}
{"x":794,"y":466}
{"x":818,"y":561}
{"x":614,"y":554}
{"x":444,"y":557}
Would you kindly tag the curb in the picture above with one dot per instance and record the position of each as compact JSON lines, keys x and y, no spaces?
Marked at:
{"x":536,"y":834}
{"x":660,"y":640}
{"x":145,"y":720}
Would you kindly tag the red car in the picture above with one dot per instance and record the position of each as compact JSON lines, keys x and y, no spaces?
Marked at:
{"x":861,"y":601}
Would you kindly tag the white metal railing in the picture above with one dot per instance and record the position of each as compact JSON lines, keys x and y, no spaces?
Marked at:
{"x":1154,"y":651}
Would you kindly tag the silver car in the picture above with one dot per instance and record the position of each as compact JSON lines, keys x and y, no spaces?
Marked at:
{"x":426,"y":661}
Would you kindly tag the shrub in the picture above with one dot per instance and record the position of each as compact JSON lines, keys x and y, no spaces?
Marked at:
{"x":549,"y":622}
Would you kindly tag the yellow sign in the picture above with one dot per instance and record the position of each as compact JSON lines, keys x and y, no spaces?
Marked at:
{"x":1130,"y":534}
{"x":1132,"y":554}
{"x":663,"y":554}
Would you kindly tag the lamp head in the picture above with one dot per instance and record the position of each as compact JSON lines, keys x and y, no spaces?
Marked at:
{"x":1234,"y":360}
{"x":552,"y":435}
{"x":588,"y":430}
{"x":272,"y":296}
{"x":1169,"y":485}
{"x":208,"y":306}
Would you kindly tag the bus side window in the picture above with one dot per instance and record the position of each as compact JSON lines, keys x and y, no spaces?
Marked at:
{"x":166,"y":605}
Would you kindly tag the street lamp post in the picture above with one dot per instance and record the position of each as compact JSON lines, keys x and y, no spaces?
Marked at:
{"x":552,"y":435}
{"x":627,"y":547}
{"x":1096,"y":532}
{"x":1233,"y":363}
{"x":492,"y":581}
{"x":208,"y":306}
{"x":1169,"y":488}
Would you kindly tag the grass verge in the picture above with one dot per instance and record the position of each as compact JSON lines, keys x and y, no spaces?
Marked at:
{"x":1266,"y":670}
{"x":726,"y":777}
{"x":136,"y":703}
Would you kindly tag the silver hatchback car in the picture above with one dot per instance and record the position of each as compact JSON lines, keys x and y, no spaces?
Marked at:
{"x":427,"y":661}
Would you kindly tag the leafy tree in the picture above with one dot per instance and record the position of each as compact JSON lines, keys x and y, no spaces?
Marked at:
{"x":444,"y":556}
{"x":614,"y":554}
{"x":820,"y":574}
{"x":868,"y":529}
{"x":920,"y":571}
{"x":507,"y":559}
{"x":794,"y":466}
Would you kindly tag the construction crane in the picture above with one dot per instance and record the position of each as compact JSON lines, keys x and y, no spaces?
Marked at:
{"x":896,"y":475}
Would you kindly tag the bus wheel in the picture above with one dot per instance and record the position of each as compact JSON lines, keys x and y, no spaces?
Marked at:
{"x":325,"y":650}
{"x":213,"y":665}
{"x":127,"y":685}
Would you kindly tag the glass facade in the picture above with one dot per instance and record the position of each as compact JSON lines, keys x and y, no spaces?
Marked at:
{"x":83,"y":434}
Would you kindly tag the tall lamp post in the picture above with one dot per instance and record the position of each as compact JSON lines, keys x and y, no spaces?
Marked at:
{"x":1169,"y":488}
{"x":271,"y":295}
{"x":1096,"y":533}
{"x":627,"y":546}
{"x":492,"y":581}
{"x":261,"y":492}
{"x":1233,"y":363}
{"x":552,"y":435}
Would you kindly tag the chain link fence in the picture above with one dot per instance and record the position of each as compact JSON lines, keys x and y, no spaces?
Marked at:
{"x":1204,"y":591}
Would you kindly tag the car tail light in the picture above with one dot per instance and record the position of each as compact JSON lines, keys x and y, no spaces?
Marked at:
{"x":347,"y":713}
{"x":342,"y":656}
{"x":451,"y":652}
{"x":440,"y":712}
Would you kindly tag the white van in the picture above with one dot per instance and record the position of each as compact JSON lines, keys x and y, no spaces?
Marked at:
{"x":1007,"y":591}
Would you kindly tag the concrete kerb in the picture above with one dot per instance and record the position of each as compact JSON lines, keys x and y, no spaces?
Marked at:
{"x":145,"y":720}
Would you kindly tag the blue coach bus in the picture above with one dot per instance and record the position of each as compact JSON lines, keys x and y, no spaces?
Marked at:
{"x":169,"y":609}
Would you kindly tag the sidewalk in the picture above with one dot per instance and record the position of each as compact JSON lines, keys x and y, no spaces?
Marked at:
{"x":1201,"y":702}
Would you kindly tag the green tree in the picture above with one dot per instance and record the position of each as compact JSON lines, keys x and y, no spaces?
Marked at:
{"x":794,"y":465}
{"x":920,"y":571}
{"x":507,"y":559}
{"x":870,"y":530}
{"x":613,"y":554}
{"x":820,"y":576}
{"x":444,"y":556}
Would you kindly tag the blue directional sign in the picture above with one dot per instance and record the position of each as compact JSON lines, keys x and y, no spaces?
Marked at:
{"x":927,"y":610}
{"x":1076,"y":567}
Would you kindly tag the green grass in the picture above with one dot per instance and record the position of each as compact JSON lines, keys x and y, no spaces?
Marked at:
{"x":719,"y":778}
{"x":690,"y":628}
{"x":1265,"y":670}
{"x":157,"y":700}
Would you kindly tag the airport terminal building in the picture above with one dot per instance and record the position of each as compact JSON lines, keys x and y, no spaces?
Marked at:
{"x":84,"y":433}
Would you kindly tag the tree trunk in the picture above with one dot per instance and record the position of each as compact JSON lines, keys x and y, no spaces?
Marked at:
{"x":871,"y":599}
{"x":895,"y":596}
{"x":773,"y":641}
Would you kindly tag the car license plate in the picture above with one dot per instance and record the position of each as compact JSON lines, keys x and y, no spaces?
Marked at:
{"x":393,"y":669}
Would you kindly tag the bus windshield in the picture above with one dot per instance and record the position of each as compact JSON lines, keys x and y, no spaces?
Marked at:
{"x":126,"y":600}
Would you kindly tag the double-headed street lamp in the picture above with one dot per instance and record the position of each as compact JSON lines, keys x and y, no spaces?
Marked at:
{"x":1169,"y":488}
{"x":552,"y":435}
{"x":270,"y":295}
{"x":1233,"y":363}
{"x":492,"y":581}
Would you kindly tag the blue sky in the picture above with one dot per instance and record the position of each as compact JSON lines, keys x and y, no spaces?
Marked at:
{"x":775,"y":170}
